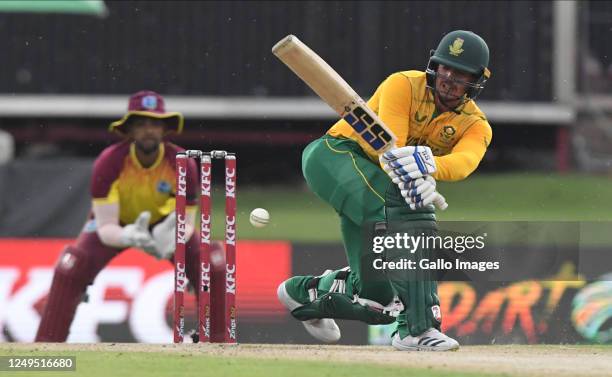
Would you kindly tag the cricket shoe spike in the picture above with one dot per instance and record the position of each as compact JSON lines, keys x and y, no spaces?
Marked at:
{"x":326,"y":330}
{"x":430,"y":340}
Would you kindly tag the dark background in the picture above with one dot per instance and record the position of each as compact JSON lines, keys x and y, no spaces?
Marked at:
{"x":223,"y":48}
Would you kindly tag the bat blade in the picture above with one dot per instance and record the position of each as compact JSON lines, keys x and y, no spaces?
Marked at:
{"x":336,"y":92}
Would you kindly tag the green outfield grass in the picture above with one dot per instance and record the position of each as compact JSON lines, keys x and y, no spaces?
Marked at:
{"x":148,"y":364}
{"x":297,"y":215}
{"x":277,"y":360}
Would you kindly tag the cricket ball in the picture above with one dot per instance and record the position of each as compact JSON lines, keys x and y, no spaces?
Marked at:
{"x":259,"y":218}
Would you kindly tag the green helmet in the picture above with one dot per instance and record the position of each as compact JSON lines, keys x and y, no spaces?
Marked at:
{"x":465,"y":51}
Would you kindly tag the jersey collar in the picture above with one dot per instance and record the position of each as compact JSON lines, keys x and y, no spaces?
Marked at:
{"x":158,"y":160}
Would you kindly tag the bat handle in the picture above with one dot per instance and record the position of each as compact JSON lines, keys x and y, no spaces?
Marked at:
{"x":440,"y":202}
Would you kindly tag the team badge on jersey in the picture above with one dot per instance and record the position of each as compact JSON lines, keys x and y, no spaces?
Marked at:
{"x":447,"y":133}
{"x":164,"y":187}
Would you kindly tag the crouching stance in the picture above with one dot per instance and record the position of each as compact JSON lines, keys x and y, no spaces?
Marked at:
{"x":133,"y":190}
{"x":442,"y":135}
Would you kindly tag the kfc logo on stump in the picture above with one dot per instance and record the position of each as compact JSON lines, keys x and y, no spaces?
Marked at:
{"x":181,"y":278}
{"x":230,"y":183}
{"x":181,"y":225}
{"x":230,"y":278}
{"x":205,"y":229}
{"x":230,"y":230}
{"x":205,"y":277}
{"x":205,"y":183}
{"x":181,"y":190}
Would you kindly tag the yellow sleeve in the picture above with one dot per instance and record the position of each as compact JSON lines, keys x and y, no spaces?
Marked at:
{"x":466,"y":155}
{"x":170,"y":205}
{"x":392,"y":102}
{"x":111,"y":197}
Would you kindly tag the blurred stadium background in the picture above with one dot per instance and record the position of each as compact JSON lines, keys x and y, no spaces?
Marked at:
{"x":66,"y":76}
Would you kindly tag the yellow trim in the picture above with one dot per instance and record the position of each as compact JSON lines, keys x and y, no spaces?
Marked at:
{"x":168,"y":206}
{"x":158,"y":160}
{"x":102,"y":201}
{"x":117,"y":125}
{"x":111,"y":197}
{"x":356,"y":168}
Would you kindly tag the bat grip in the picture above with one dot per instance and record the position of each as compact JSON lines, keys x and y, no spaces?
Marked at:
{"x":440,"y":202}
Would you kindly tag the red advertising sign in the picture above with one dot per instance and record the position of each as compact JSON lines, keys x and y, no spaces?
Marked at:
{"x":134,"y":290}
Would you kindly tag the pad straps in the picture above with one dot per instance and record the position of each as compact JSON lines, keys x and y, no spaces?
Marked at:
{"x":338,"y":286}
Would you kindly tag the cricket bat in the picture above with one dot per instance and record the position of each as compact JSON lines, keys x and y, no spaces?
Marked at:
{"x":339,"y":95}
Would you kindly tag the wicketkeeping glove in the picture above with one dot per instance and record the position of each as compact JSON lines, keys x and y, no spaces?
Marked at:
{"x":137,"y":234}
{"x":164,"y":235}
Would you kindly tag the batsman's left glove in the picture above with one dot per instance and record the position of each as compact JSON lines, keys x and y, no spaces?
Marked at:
{"x":407,"y":163}
{"x":410,"y":168}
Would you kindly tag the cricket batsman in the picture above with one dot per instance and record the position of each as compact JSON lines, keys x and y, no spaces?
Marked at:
{"x":442,"y":136}
{"x":133,"y":201}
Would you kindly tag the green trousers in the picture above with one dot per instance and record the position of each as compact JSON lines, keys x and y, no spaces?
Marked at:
{"x":340,"y":173}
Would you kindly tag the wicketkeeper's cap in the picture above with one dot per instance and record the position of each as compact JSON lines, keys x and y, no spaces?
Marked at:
{"x":149,"y":104}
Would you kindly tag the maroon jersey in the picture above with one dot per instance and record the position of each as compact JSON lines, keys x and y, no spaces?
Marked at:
{"x":118,"y":177}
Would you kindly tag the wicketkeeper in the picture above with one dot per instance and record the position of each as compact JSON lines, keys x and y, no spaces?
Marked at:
{"x":442,"y":136}
{"x":133,"y":191}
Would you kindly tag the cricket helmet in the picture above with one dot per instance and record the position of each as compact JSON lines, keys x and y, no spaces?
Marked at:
{"x":465,"y":51}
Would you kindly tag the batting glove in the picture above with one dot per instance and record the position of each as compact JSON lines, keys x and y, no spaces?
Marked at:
{"x":422,"y":201}
{"x":407,"y":163}
{"x":420,"y":186}
{"x":421,"y":192}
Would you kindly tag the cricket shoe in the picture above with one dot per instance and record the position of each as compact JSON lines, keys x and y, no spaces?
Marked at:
{"x":430,"y":340}
{"x":326,"y":330}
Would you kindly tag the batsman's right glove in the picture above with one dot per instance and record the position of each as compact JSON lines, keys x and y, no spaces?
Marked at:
{"x":421,"y":192}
